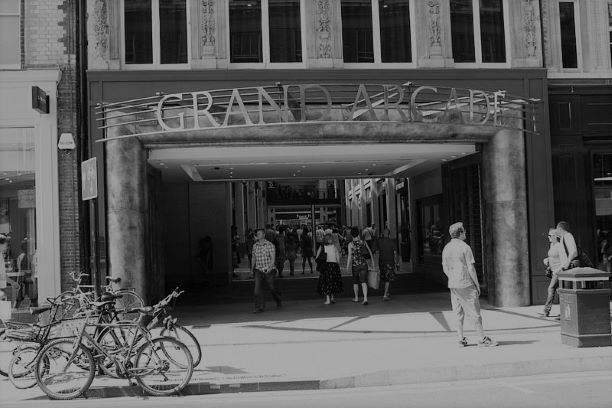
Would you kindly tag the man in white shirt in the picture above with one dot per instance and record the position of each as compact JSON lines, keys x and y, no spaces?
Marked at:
{"x":458,"y":265}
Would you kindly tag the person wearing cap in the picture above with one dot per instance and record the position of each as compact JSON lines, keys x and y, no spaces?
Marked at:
{"x":555,"y":262}
{"x":458,"y":265}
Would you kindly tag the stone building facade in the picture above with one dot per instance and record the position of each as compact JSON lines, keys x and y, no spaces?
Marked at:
{"x":156,"y":48}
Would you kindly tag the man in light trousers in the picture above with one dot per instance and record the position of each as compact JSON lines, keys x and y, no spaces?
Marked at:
{"x":458,"y":265}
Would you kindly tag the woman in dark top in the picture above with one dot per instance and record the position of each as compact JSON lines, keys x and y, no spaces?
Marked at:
{"x":387,"y":260}
{"x":307,"y":249}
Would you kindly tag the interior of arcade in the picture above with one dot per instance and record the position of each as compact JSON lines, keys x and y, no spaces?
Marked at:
{"x":209,"y":198}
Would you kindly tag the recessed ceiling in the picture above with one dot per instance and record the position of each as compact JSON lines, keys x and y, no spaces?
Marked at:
{"x":306,"y":162}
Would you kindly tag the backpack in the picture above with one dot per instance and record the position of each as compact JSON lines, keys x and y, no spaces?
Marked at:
{"x":582,"y":260}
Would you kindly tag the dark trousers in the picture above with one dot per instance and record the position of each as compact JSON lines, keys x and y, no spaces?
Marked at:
{"x":268,"y":278}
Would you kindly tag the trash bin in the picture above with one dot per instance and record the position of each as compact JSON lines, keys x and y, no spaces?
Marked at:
{"x":584,"y":300}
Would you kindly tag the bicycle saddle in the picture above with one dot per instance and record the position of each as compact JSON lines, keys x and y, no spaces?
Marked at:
{"x":38,"y":310}
{"x":112,"y":279}
{"x":109,"y":297}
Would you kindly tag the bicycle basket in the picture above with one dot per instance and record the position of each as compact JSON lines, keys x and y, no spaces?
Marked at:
{"x":22,"y":331}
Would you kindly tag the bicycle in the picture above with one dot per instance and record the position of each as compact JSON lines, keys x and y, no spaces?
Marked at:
{"x":161,"y":366}
{"x":161,"y":318}
{"x":129,"y":300}
{"x":31,"y":337}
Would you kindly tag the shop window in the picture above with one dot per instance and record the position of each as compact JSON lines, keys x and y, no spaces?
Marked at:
{"x":18,"y":215}
{"x":478,"y":31}
{"x":431,"y":233}
{"x":155,"y":32}
{"x":10,"y":49}
{"x":567,"y":25}
{"x":376,"y":31}
{"x":274,"y":23}
{"x":602,"y":192}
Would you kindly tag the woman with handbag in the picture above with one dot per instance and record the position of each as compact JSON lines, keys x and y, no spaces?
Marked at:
{"x":358,"y":254}
{"x":554,"y":264}
{"x":330,"y":279}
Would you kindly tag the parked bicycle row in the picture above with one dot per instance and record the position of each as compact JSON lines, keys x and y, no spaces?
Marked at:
{"x":77,"y":336}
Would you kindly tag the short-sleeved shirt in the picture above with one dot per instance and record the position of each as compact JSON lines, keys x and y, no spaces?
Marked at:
{"x":263,"y":255}
{"x":356,"y":255}
{"x":456,"y":257}
{"x":386,"y":248}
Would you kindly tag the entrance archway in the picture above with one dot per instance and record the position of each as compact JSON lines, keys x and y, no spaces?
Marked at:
{"x":303,"y":115}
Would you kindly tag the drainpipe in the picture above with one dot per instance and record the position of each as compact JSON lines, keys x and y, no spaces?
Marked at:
{"x":83,"y":151}
{"x":542,"y":35}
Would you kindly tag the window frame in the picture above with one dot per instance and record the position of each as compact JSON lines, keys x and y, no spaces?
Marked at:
{"x":478,"y":40}
{"x":265,"y":40}
{"x":377,"y":44}
{"x":608,"y":11}
{"x":19,"y":57}
{"x":156,"y":43}
{"x":559,"y":46}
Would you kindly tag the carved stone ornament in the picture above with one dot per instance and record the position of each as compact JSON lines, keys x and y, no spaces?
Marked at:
{"x":434,"y":27}
{"x":101,"y":28}
{"x":323,"y":31}
{"x":529,"y":27}
{"x":207,"y":24}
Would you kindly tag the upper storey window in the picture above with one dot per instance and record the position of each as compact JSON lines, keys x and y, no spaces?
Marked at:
{"x":10,"y":49}
{"x":376,"y":31}
{"x":478,"y":31}
{"x":155,"y":32}
{"x":265,"y":31}
{"x":567,"y":25}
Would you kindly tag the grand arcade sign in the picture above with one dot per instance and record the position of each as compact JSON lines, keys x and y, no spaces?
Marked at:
{"x":298,"y":103}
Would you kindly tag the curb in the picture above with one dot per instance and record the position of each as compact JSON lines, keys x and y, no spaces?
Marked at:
{"x":416,"y":375}
{"x":421,"y":375}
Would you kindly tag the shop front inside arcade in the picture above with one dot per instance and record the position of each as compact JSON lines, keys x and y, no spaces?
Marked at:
{"x":190,"y":171}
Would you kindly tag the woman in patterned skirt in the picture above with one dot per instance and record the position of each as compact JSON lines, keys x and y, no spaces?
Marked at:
{"x":330,"y":279}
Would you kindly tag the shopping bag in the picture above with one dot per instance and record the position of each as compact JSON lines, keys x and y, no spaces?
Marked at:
{"x":373,"y":279}
{"x":5,"y":309}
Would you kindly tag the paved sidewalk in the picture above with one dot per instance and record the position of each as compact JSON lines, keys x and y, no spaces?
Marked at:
{"x":307,"y":345}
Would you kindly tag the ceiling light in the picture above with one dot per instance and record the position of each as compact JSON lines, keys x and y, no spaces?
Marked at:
{"x":444,"y":160}
{"x":231,"y":168}
{"x":453,"y":157}
{"x":162,"y":163}
{"x":366,"y":169}
{"x":464,"y":153}
{"x":293,"y":174}
{"x":304,"y":166}
{"x":373,"y":164}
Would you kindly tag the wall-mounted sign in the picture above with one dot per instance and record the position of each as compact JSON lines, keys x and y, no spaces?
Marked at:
{"x":299,"y":103}
{"x":40,"y":100}
{"x":89,"y":179}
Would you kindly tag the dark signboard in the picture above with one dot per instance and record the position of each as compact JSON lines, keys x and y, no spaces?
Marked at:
{"x":40,"y":100}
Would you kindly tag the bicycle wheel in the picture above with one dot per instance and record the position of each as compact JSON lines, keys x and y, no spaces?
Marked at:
{"x":22,"y":366}
{"x":113,"y":340}
{"x":128,"y":300}
{"x":158,"y":374}
{"x":7,"y":349}
{"x":187,"y":338}
{"x":65,"y":378}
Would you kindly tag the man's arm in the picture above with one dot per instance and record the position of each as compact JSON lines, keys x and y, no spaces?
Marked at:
{"x":469,"y":260}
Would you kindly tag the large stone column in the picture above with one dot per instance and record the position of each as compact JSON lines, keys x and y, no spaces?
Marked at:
{"x":506,"y":237}
{"x":126,"y":212}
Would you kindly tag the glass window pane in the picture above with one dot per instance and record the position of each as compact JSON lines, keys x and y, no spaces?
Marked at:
{"x":462,"y":30}
{"x":245,"y":31}
{"x":285,"y":31}
{"x":138,"y":32}
{"x":18,"y":274}
{"x":173,"y":31}
{"x":395,"y":45}
{"x":602,"y":194}
{"x":568,"y":35}
{"x":10,"y":53}
{"x":357,"y":38}
{"x":492,"y":37}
